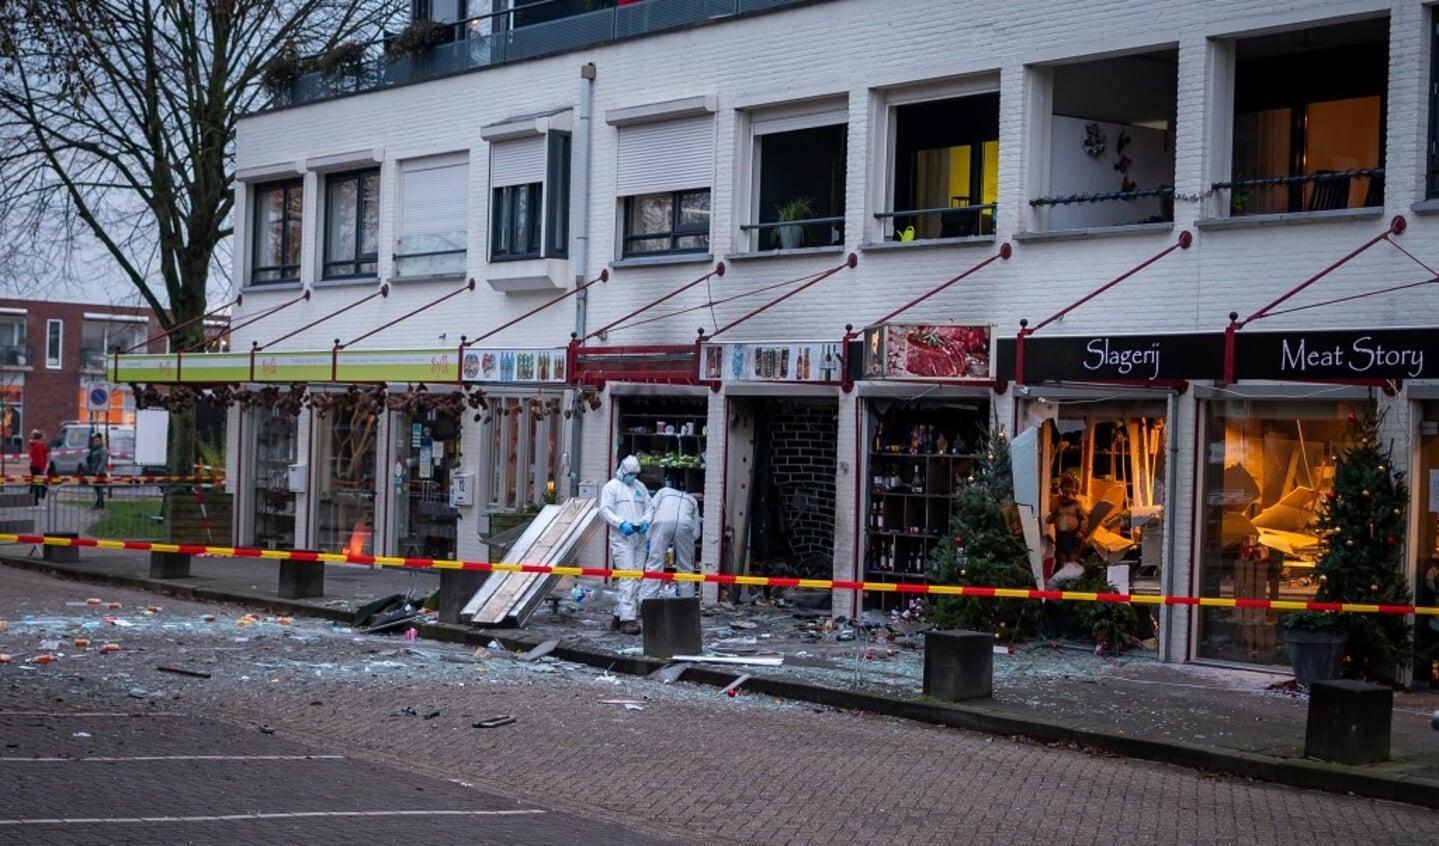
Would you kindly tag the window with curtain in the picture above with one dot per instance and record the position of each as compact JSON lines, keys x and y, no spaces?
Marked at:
{"x":352,"y":224}
{"x":278,"y":226}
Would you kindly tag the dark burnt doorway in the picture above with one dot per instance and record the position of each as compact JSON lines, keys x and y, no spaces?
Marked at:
{"x":785,"y":516}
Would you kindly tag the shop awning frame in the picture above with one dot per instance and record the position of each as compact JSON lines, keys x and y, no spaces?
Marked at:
{"x":1183,"y":242}
{"x":584,"y":286}
{"x":1005,"y":251}
{"x":1397,"y":226}
{"x":180,"y":354}
{"x":335,"y":352}
{"x":383,"y":291}
{"x":851,"y":261}
{"x":719,"y":270}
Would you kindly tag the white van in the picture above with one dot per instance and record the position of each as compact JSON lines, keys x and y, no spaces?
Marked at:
{"x":71,"y":448}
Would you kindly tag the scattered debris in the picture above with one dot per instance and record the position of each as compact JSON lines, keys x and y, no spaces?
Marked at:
{"x":494,"y":722}
{"x":669,"y":673}
{"x":266,"y":730}
{"x":432,"y":715}
{"x":539,"y":651}
{"x":757,"y":659}
{"x":734,"y":686}
{"x":181,"y":671}
{"x":622,"y":702}
{"x":407,"y":711}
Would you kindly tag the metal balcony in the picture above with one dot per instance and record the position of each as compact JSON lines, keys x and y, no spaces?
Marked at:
{"x":524,"y":32}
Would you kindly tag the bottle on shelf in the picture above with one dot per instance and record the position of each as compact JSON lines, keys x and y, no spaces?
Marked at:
{"x":916,"y":485}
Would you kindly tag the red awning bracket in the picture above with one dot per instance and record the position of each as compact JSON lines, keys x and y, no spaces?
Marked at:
{"x":601,"y":332}
{"x":469,"y":342}
{"x":851,"y":261}
{"x":1183,"y":242}
{"x":468,"y":286}
{"x":1005,"y":251}
{"x":1397,"y":226}
{"x":384,"y":291}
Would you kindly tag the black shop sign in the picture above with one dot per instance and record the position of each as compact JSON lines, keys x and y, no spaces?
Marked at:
{"x":1337,"y":355}
{"x":1115,"y":358}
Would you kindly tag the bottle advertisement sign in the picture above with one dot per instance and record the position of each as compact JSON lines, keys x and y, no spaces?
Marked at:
{"x":503,"y":366}
{"x":772,"y":361}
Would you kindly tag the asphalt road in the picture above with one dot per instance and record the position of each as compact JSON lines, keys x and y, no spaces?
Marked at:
{"x":278,"y":730}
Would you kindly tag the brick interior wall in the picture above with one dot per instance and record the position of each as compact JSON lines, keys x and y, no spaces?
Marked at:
{"x":803,"y":438}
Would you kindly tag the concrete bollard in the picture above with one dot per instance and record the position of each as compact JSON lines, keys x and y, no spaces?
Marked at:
{"x":301,"y":579}
{"x":671,"y":626}
{"x":958,"y":665}
{"x":169,"y":565}
{"x":456,"y":589}
{"x":62,"y":554}
{"x":1349,"y":722}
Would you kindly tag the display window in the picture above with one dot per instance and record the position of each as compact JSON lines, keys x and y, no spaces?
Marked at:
{"x":1102,"y":493}
{"x":524,"y":451}
{"x":1264,"y":469}
{"x":1426,"y":588}
{"x":276,"y":442}
{"x":427,"y":454}
{"x":345,"y":480}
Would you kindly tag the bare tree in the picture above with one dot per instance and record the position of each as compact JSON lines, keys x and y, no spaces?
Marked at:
{"x":117,"y":125}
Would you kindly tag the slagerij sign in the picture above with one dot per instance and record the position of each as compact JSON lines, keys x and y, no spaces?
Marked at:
{"x":1117,"y":358}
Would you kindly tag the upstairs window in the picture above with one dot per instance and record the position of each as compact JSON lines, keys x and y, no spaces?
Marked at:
{"x":279,"y":223}
{"x":100,"y":338}
{"x":13,"y":349}
{"x":1111,"y":143}
{"x":433,"y":208}
{"x":54,"y":343}
{"x":352,"y":224}
{"x":665,"y":169}
{"x":530,"y":197}
{"x":944,"y":168}
{"x":799,"y":179}
{"x":1309,"y":110}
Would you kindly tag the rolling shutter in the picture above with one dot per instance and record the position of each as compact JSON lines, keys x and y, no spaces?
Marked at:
{"x":667,"y":156}
{"x":518,"y":162}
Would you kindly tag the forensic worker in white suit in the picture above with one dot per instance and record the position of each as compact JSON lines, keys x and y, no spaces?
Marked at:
{"x":624,"y":504}
{"x":675,"y":520}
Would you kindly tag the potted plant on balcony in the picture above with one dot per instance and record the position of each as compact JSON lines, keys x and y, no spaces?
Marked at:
{"x":341,"y":60}
{"x":418,"y":36}
{"x":1360,"y":561}
{"x":278,"y":75}
{"x":791,"y":237}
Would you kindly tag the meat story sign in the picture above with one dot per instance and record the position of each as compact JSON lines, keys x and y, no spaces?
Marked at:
{"x":927,"y":351}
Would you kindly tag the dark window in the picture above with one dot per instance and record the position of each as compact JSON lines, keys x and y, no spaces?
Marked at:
{"x":677,"y":222}
{"x":516,"y":215}
{"x":946,"y":156}
{"x":802,"y":179}
{"x":279,"y":210}
{"x":352,"y":224}
{"x":557,"y":211}
{"x":1309,"y":119}
{"x":1433,"y":187}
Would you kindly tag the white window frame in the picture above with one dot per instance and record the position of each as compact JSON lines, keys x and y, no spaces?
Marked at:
{"x":771,"y":120}
{"x":55,"y":327}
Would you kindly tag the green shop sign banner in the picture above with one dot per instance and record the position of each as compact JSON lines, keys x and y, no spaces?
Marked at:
{"x":437,"y":365}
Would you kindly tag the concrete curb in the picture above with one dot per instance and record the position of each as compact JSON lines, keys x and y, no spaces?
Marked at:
{"x":1392,"y":781}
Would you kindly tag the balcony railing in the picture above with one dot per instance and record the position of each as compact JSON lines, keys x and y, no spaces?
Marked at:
{"x":525,"y":32}
{"x":16,"y":355}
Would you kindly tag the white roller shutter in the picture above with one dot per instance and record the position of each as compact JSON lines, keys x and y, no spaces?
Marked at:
{"x":433,"y":199}
{"x":518,"y":162}
{"x":667,"y":156}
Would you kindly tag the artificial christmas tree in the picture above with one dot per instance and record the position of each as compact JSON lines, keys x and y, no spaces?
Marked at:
{"x":1361,"y":554}
{"x":985,"y":549}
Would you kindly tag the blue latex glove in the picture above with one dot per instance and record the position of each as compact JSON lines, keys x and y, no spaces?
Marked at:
{"x":627,"y":529}
{"x":644,"y":527}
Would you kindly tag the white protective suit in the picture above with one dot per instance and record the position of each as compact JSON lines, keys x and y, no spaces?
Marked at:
{"x":674,"y":520}
{"x":624,"y":502}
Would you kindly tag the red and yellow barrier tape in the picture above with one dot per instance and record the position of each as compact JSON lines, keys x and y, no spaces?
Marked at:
{"x":112,"y":480}
{"x":717,"y":578}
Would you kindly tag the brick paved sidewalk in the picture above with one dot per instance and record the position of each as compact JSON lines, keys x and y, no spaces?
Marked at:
{"x":1227,"y":720}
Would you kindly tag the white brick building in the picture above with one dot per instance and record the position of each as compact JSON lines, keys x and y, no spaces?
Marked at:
{"x":979,"y":125}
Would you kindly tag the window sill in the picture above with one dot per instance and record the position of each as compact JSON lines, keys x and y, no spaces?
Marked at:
{"x":663,"y":258}
{"x":1253,"y":221}
{"x":923,"y":243}
{"x":424,"y":277}
{"x":1426,"y":206}
{"x":1095,"y":232}
{"x":832,"y":249}
{"x":287,"y":285}
{"x":537,"y":274}
{"x":346,"y":281}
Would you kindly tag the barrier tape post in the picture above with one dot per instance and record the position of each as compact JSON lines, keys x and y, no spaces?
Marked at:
{"x":717,"y":578}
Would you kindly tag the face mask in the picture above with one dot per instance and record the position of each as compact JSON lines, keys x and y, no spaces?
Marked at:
{"x":628,"y":478}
